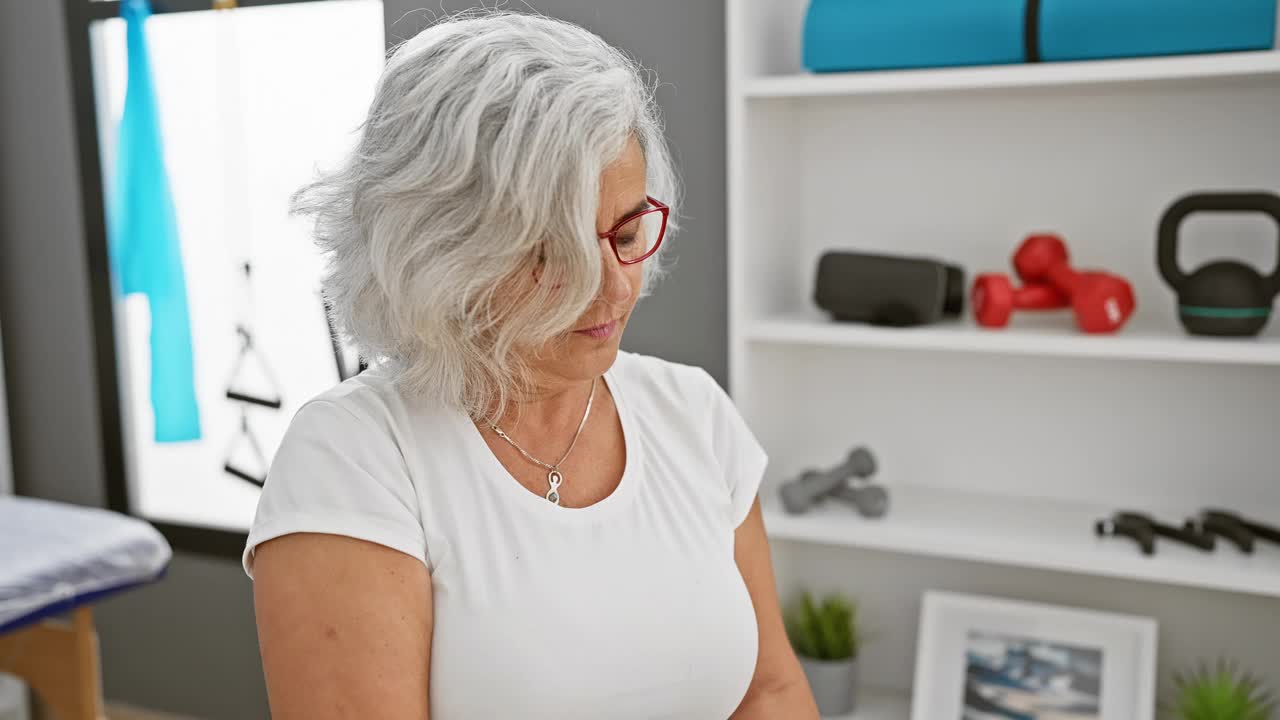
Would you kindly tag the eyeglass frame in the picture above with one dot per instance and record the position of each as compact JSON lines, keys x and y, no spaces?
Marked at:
{"x":612,"y":234}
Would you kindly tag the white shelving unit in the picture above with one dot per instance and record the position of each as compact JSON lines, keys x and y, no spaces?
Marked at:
{"x":1054,"y":340}
{"x":1001,"y":448}
{"x":1020,"y":532}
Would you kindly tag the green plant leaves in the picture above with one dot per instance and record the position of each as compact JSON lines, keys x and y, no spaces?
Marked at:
{"x":1223,"y":692}
{"x":824,"y":632}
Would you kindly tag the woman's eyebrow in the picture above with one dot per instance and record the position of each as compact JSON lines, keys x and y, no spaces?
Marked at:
{"x":644,"y":204}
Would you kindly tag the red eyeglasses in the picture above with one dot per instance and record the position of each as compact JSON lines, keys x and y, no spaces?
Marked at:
{"x":637,"y":236}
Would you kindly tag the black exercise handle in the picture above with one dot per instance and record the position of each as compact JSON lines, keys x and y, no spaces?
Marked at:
{"x":1226,"y":528}
{"x":273,"y":403}
{"x":1167,"y":235}
{"x":1192,"y":537}
{"x":1139,"y":532}
{"x":254,"y":479}
{"x":1266,"y":532}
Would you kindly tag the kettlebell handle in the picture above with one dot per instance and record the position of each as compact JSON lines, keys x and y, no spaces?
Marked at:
{"x":1167,"y":237}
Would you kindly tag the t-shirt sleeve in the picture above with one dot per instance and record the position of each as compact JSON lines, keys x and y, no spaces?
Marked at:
{"x":340,"y":474}
{"x":742,"y":459}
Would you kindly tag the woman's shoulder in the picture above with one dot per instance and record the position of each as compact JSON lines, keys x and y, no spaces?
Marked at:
{"x":371,"y":402}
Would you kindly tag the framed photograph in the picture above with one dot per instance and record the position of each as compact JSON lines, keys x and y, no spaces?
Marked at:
{"x":983,"y":658}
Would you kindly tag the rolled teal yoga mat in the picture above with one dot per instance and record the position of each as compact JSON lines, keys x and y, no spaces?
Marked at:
{"x":852,"y":35}
{"x":842,"y":35}
{"x":145,"y":250}
{"x":1098,"y":29}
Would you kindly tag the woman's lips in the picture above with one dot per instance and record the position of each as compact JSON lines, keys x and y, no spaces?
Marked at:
{"x":599,"y":332}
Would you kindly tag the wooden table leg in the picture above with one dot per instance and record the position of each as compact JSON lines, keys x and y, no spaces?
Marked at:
{"x":59,"y":661}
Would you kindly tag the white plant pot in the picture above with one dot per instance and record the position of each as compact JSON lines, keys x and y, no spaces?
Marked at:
{"x":833,"y":683}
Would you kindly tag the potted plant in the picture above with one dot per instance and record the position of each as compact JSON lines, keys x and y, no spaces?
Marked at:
{"x":1221,"y":693}
{"x":826,"y":639}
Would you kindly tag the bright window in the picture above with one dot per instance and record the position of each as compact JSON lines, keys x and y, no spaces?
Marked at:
{"x":251,"y":102}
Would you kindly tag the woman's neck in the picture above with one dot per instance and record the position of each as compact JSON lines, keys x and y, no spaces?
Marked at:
{"x":549,"y":411}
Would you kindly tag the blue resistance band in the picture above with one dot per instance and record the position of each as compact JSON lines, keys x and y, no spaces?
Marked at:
{"x":145,"y":249}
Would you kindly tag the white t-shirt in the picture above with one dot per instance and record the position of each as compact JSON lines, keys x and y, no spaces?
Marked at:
{"x":627,"y":609}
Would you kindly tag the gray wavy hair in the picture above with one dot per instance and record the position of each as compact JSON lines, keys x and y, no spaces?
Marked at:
{"x":482,"y":149}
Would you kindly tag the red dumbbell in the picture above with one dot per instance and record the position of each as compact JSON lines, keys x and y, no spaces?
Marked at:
{"x":994,"y":298}
{"x":1102,"y":302}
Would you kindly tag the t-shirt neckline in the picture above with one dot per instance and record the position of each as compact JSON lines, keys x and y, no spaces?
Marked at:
{"x":609,"y":503}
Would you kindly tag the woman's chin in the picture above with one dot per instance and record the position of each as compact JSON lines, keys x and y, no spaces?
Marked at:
{"x":597,"y":352}
{"x":593,"y":356}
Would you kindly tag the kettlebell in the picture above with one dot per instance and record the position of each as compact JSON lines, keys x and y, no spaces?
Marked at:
{"x":1223,"y":297}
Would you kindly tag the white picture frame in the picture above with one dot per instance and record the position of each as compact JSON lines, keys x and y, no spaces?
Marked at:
{"x":974,"y":650}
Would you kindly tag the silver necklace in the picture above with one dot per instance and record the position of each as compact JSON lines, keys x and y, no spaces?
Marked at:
{"x":554,"y":476}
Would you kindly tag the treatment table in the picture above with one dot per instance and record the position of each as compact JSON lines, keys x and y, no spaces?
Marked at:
{"x":56,"y":560}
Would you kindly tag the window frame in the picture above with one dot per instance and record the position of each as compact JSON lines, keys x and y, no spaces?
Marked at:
{"x":80,"y":17}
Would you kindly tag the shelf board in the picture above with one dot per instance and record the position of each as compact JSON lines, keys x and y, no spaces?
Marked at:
{"x":877,"y":705}
{"x":1089,"y":72}
{"x":1047,"y":338}
{"x":1047,"y":535}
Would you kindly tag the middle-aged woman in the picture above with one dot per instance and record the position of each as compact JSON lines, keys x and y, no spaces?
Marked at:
{"x":506,"y":516}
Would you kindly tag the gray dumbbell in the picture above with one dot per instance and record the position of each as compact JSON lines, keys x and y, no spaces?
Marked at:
{"x":804,"y":492}
{"x":869,"y":499}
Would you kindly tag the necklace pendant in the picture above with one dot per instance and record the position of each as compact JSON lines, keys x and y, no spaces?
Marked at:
{"x":554,"y":478}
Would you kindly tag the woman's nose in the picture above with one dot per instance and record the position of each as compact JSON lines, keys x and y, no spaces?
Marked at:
{"x":615,"y":282}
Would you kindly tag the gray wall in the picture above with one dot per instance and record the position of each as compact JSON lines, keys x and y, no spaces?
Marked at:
{"x":6,"y":466}
{"x":188,"y":644}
